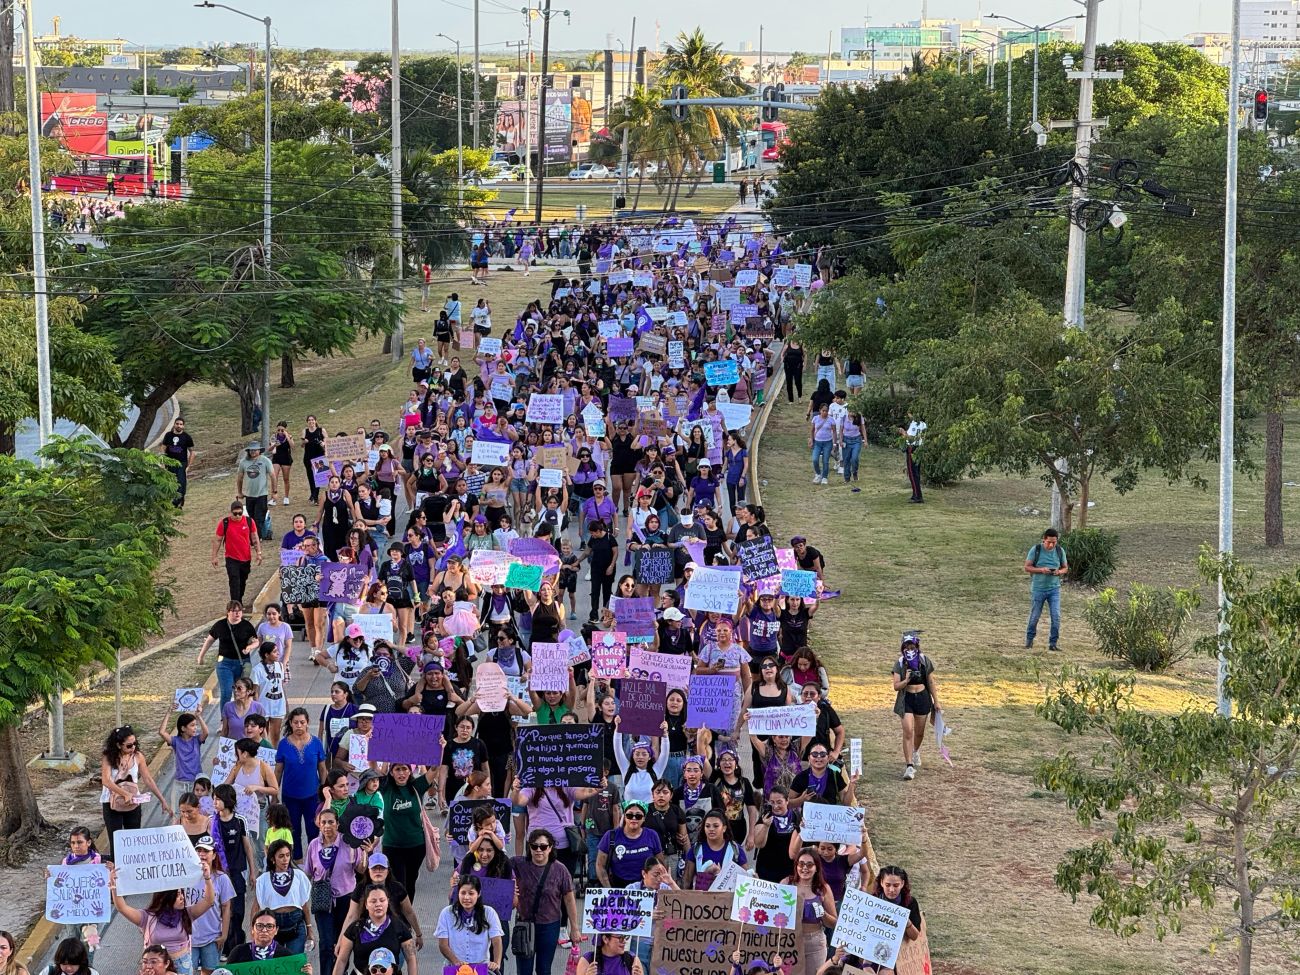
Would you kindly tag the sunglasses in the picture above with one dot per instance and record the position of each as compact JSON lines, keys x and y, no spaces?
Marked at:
{"x":819,"y":754}
{"x":540,"y":846}
{"x":379,"y":969}
{"x":806,"y":865}
{"x":128,"y":744}
{"x":634,"y":816}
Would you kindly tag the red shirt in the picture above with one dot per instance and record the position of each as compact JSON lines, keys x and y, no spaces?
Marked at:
{"x":239,"y":539}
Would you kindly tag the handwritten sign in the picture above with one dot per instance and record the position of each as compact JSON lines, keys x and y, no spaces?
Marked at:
{"x":782,"y":277}
{"x":711,"y":702}
{"x":460,"y":817}
{"x":488,"y":567}
{"x":223,"y":761}
{"x":654,"y":566}
{"x":341,"y":582}
{"x":608,"y":910}
{"x":545,"y":408}
{"x":411,"y":738}
{"x":728,"y":298}
{"x":765,"y":904}
{"x":622,"y":409}
{"x":795,"y":719}
{"x":713,"y":591}
{"x":499,"y":894}
{"x":855,"y":756}
{"x":189,"y":698}
{"x":641,"y":706}
{"x":823,"y":823}
{"x":746,"y":278}
{"x":677,"y":354}
{"x":803,"y":275}
{"x":619,"y":346}
{"x":490,"y":688}
{"x":550,"y":667}
{"x":698,"y":936}
{"x":489,"y":347}
{"x":870,"y":928}
{"x":730,"y":875}
{"x":609,"y":654}
{"x":635,"y":616}
{"x":289,"y":965}
{"x":757,"y":558}
{"x":549,"y":478}
{"x":520,"y":576}
{"x":609,"y":329}
{"x":722,"y":373}
{"x":674,"y":669}
{"x":570,"y":755}
{"x":489,"y":453}
{"x":353,"y":448}
{"x":78,"y":894}
{"x":299,"y":583}
{"x":736,"y":416}
{"x":159,"y":858}
{"x":375,"y":626}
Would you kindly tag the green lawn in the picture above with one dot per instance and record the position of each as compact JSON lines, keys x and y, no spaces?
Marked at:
{"x":981,"y":843}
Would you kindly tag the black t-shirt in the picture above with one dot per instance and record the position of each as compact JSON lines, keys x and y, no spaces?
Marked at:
{"x":392,"y":937}
{"x":497,"y":729}
{"x":773,"y":861}
{"x":396,"y":894}
{"x":736,"y":800}
{"x":396,"y":579}
{"x":828,"y":720}
{"x":829,"y":788}
{"x":462,"y":758}
{"x":232,"y":638}
{"x":808,"y":560}
{"x":315,"y":445}
{"x":666,"y":824}
{"x":178,"y":446}
{"x":602,"y":551}
{"x":232,"y":834}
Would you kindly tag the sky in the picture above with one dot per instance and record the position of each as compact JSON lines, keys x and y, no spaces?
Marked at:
{"x":364,"y":24}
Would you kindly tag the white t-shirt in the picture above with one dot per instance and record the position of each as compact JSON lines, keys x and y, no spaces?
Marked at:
{"x":299,"y":893}
{"x":838,"y":411}
{"x":464,"y":943}
{"x":268,"y":678}
{"x":481,"y":317}
{"x":350,"y":668}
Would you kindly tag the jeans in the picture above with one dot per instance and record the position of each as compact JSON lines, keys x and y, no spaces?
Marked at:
{"x":256,"y":510}
{"x":849,"y":455}
{"x":228,"y":671}
{"x":293,"y":930}
{"x":821,"y":457}
{"x":914,"y":473}
{"x":182,"y":483}
{"x":546,"y":938}
{"x":237,"y":577}
{"x":303,"y":809}
{"x":593,"y":848}
{"x":1052,"y":597}
{"x":329,"y":925}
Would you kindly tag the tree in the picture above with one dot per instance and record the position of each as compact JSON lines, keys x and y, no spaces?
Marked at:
{"x":237,"y":125}
{"x":707,"y":73}
{"x":432,"y":214}
{"x":920,"y":135}
{"x":1016,"y":393}
{"x":429,"y":98}
{"x":634,"y":115}
{"x":84,"y":540}
{"x":1197,"y":808}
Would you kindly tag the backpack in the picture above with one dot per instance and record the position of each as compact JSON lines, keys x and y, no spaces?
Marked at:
{"x":1038,"y":550}
{"x":252,"y":527}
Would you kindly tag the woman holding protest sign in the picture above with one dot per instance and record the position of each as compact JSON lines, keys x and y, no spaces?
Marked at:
{"x":817,"y":912}
{"x":168,"y":920}
{"x":551,"y":808}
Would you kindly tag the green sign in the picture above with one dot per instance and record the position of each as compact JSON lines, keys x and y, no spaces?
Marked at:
{"x":719,"y":172}
{"x":292,"y":965}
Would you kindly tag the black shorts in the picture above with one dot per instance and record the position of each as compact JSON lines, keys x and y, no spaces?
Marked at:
{"x":917,"y":702}
{"x":401,"y":603}
{"x":314,"y":604}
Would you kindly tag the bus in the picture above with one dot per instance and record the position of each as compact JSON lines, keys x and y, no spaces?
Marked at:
{"x":772,"y":136}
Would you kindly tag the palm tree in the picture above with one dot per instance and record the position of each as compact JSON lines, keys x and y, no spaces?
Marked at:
{"x":634,"y":115}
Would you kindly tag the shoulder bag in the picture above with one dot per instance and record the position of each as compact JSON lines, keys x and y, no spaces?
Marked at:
{"x":523,"y":941}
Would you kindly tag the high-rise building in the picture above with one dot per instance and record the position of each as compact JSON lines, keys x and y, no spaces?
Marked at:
{"x":1271,"y":21}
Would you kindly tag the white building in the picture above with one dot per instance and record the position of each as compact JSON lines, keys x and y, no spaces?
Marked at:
{"x":1271,"y":21}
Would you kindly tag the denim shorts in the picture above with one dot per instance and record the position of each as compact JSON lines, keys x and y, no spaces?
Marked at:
{"x":519,"y":485}
{"x":205,"y":957}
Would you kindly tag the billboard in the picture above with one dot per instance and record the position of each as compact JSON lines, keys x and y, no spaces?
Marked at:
{"x":581,"y":115}
{"x":74,"y":121}
{"x":510,"y":123}
{"x":559,"y":124}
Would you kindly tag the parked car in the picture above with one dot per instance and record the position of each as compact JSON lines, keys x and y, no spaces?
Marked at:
{"x":635,"y":170}
{"x":589,"y":171}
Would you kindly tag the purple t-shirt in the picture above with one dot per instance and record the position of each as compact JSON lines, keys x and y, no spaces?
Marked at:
{"x":704,"y":854}
{"x":236,"y":720}
{"x":627,"y":856}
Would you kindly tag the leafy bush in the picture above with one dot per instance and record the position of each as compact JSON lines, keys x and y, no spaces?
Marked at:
{"x":1091,"y":554}
{"x":1144,"y":628}
{"x":884,"y":411}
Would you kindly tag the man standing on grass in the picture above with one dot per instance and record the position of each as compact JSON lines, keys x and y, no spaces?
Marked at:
{"x":1046,"y":563}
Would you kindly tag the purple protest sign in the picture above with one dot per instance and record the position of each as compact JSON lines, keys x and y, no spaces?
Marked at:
{"x":536,"y":551}
{"x":641,"y":707}
{"x":622,"y":409}
{"x":411,"y":738}
{"x":499,"y":894}
{"x":619,"y":347}
{"x":636,"y":617}
{"x":321,"y":471}
{"x":711,"y":701}
{"x":341,"y":582}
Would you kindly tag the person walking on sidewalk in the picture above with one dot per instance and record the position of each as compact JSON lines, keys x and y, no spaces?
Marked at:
{"x":1046,"y":562}
{"x":253,"y":483}
{"x":178,"y":446}
{"x":238,"y":533}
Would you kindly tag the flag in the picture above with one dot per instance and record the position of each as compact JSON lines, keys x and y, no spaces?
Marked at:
{"x":697,"y":403}
{"x":456,"y":547}
{"x":643,"y":321}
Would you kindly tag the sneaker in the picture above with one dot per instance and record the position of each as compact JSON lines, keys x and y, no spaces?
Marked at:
{"x":587,"y":577}
{"x":909,"y":773}
{"x":824,"y":481}
{"x":1029,"y":646}
{"x":916,"y":757}
{"x":1053,"y":648}
{"x":573,"y":616}
{"x":285,"y":502}
{"x":817,"y":478}
{"x":839,"y":468}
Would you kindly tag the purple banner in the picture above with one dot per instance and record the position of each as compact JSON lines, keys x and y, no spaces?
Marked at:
{"x":411,"y":738}
{"x":619,"y":347}
{"x":711,"y":702}
{"x":341,"y":582}
{"x":636,"y":617}
{"x":641,"y":707}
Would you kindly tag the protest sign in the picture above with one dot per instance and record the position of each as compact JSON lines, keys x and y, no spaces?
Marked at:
{"x":299,"y":583}
{"x":728,"y":298}
{"x":785,"y":558}
{"x":490,"y":688}
{"x":803,"y":275}
{"x":713,"y":591}
{"x":596,"y":426}
{"x":746,"y":278}
{"x":870,"y":928}
{"x":736,"y":416}
{"x":499,"y":894}
{"x":722,"y":373}
{"x":635,"y":616}
{"x":550,"y":667}
{"x":643,"y":279}
{"x":502,"y":388}
{"x":641,"y":707}
{"x":674,"y":669}
{"x":797,"y":582}
{"x":657,"y":313}
{"x":696,"y":935}
{"x":545,"y":408}
{"x":358,"y":751}
{"x":78,"y":894}
{"x":341,"y":582}
{"x":591,"y":413}
{"x":730,"y":875}
{"x":466,"y":336}
{"x":321,"y":471}
{"x":520,"y":576}
{"x":740,"y":314}
{"x":609,"y":654}
{"x":578,"y":652}
{"x":794,"y":719}
{"x":555,"y":456}
{"x":765,"y":904}
{"x":290,"y":556}
{"x":189,"y":698}
{"x":718,"y":323}
{"x":855,"y":756}
{"x":353,"y":448}
{"x":159,"y":858}
{"x":489,"y":453}
{"x":549,"y":478}
{"x":489,"y":346}
{"x":622,"y":409}
{"x":224,"y":760}
{"x":411,"y":737}
{"x":619,"y":346}
{"x":677,"y":354}
{"x":711,"y":702}
{"x":488,"y":567}
{"x":654,"y":566}
{"x":609,"y":329}
{"x":757,"y":558}
{"x":609,"y":910}
{"x":676,"y":319}
{"x":288,"y":965}
{"x":560,"y":755}
{"x":824,"y":823}
{"x":374,"y":626}
{"x":782,"y":277}
{"x":460,"y":817}
{"x":653,"y":344}
{"x":536,"y":551}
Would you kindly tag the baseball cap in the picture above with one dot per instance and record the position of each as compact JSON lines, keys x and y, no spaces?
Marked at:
{"x":692,"y":565}
{"x":354,"y":630}
{"x":381,"y":956}
{"x":673,"y":614}
{"x":205,"y":843}
{"x":378,"y":860}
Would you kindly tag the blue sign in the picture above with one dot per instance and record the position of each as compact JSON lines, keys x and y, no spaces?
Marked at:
{"x":722,"y":373}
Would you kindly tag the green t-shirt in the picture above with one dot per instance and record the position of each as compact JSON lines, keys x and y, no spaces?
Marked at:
{"x":1044,"y":558}
{"x":402,"y":826}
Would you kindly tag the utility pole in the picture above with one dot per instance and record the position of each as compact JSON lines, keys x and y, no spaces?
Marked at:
{"x":541,"y":109}
{"x":57,"y":754}
{"x":395,"y":170}
{"x":460,"y":142}
{"x":1008,"y":85}
{"x":528,"y":111}
{"x":1075,"y":260}
{"x":1228,"y":359}
{"x":478,"y":105}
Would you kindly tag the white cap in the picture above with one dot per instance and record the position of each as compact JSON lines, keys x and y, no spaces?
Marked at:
{"x":673,"y":614}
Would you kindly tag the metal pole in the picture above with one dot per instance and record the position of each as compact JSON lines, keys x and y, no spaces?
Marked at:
{"x":395,"y":170}
{"x":528,"y":112}
{"x":460,"y":138}
{"x":266,"y":230}
{"x":760,"y":54}
{"x":1008,"y":43}
{"x":1228,"y":363}
{"x":1075,"y":261}
{"x":144,"y":89}
{"x":541,"y":109}
{"x":1033,"y":111}
{"x":478,"y":105}
{"x":44,"y":406}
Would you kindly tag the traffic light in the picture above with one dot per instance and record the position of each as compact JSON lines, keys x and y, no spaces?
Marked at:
{"x":680,"y":112}
{"x":521,"y":86}
{"x":769,"y":112}
{"x":1261,"y":106}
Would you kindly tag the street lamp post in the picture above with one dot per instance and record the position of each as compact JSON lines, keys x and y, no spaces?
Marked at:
{"x":460,"y":143}
{"x":1037,"y":29}
{"x":266,"y":200}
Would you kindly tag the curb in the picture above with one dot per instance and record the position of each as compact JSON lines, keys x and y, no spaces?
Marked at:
{"x":41,"y":937}
{"x":759,"y":426}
